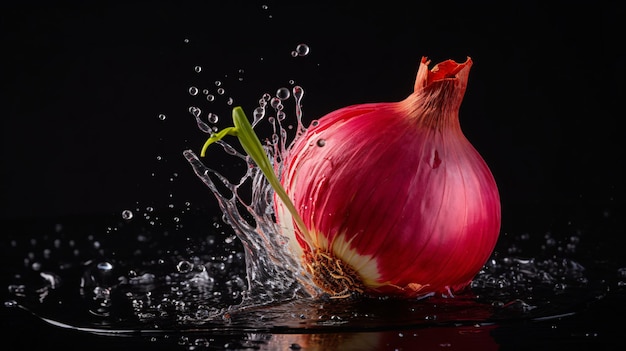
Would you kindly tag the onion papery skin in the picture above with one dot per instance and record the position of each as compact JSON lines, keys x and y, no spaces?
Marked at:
{"x":395,"y":190}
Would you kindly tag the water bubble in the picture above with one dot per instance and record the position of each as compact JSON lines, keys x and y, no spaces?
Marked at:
{"x":230,"y":101}
{"x":298,"y":92}
{"x":210,"y":97}
{"x":276,"y":103}
{"x":104,"y":267}
{"x":218,"y":83}
{"x":198,"y":69}
{"x":184,"y":266}
{"x":193,"y":91}
{"x":283,"y":93}
{"x":127,"y":214}
{"x":301,"y":50}
{"x":259,"y":113}
{"x":195,"y":111}
{"x":321,"y":142}
{"x":213,"y":118}
{"x":220,"y":91}
{"x":162,"y":117}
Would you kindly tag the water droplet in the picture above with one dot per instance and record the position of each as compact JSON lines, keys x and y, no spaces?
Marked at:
{"x":127,"y":214}
{"x":201,"y":125}
{"x":230,"y":101}
{"x":198,"y":69}
{"x":195,"y":111}
{"x":321,"y":142}
{"x":283,"y":93}
{"x":210,"y":97}
{"x":276,"y":103}
{"x":193,"y":91}
{"x":213,"y":118}
{"x":315,"y":123}
{"x":259,"y":112}
{"x":218,"y":83}
{"x":162,"y":117}
{"x":298,"y":92}
{"x":184,"y":266}
{"x":220,"y":91}
{"x":105,"y":267}
{"x":302,"y":50}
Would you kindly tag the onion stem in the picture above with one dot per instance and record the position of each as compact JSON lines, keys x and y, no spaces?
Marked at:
{"x":252,"y":145}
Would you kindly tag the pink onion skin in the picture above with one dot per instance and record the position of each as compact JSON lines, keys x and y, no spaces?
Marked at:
{"x":396,"y":191}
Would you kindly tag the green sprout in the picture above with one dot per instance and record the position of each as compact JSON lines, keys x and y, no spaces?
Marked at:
{"x":242,"y":129}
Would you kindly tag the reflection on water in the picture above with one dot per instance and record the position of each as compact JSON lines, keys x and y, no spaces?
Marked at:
{"x":136,"y":279}
{"x":176,"y":278}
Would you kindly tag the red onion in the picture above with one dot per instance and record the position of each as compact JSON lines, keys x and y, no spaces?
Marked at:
{"x":386,"y":198}
{"x":394,"y":198}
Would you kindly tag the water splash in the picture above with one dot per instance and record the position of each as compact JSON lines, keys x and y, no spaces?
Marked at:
{"x":273,"y":273}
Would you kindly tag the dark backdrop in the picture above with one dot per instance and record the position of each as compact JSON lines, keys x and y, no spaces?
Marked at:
{"x":82,"y":88}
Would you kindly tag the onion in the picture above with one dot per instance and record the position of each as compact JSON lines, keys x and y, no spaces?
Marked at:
{"x":386,"y":198}
{"x":395,"y":199}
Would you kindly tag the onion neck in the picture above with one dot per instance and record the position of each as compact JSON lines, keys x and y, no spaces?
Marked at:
{"x":437,"y":95}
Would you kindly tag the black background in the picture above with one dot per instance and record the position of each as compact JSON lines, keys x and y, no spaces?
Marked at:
{"x":83,"y":86}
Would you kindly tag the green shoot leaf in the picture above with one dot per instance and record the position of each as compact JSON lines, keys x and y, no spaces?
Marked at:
{"x":252,"y":146}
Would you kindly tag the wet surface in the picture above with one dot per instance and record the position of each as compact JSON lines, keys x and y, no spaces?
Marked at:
{"x":104,"y":282}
